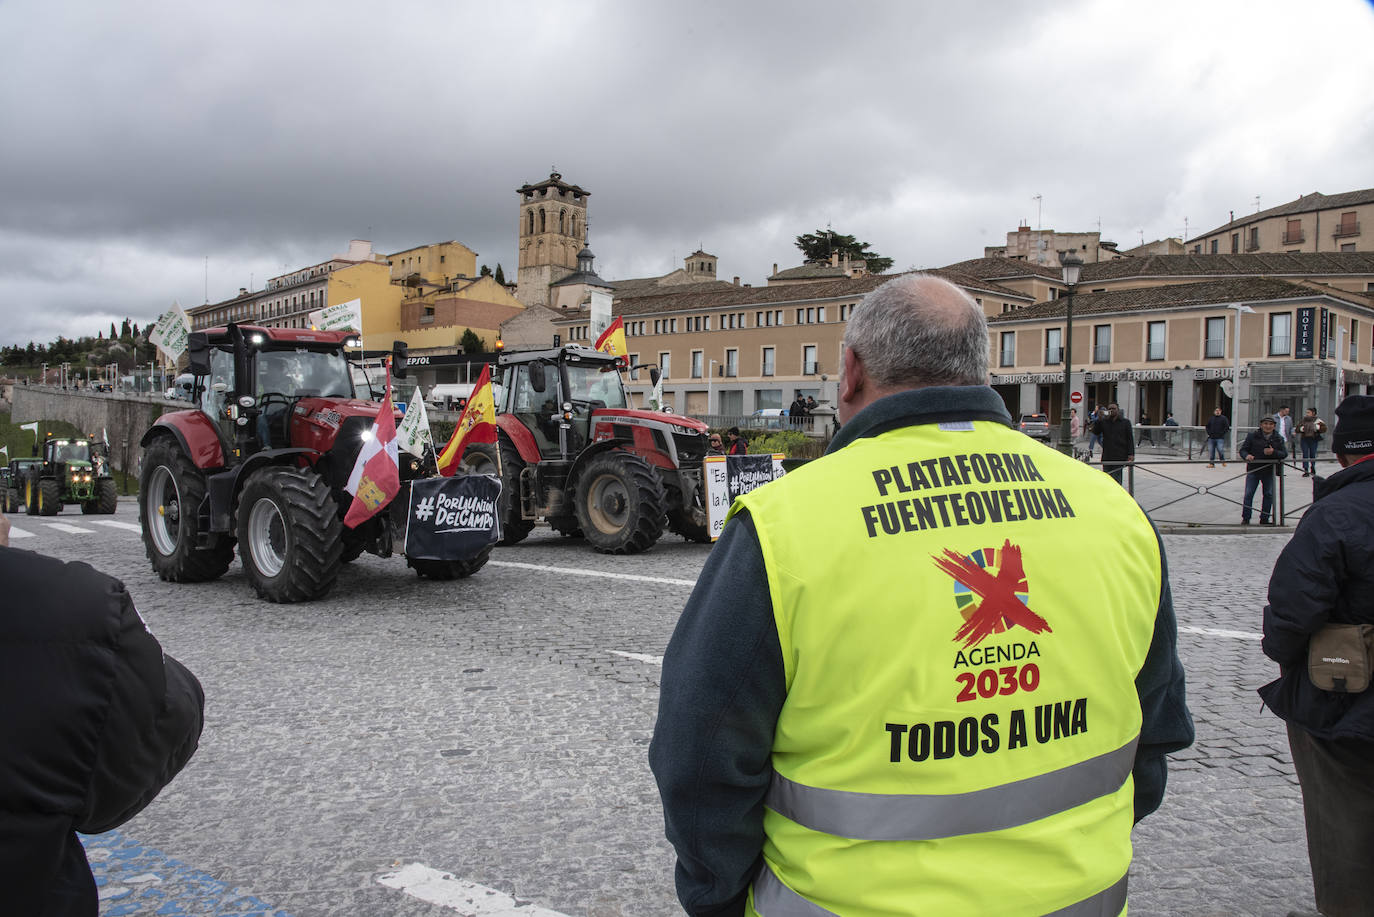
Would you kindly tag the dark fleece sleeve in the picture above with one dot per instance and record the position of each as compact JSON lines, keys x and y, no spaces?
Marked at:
{"x":151,"y":727}
{"x":722,"y":690}
{"x":1166,"y":725}
{"x":1301,"y":598}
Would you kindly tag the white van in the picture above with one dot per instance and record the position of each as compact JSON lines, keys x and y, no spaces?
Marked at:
{"x":449,"y":396}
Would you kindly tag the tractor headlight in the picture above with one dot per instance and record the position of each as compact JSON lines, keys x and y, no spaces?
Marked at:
{"x":247,"y":401}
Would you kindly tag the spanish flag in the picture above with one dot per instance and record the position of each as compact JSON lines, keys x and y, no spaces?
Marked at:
{"x":477,"y":424}
{"x":612,"y":341}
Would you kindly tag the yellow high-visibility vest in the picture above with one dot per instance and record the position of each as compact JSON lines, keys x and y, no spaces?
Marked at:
{"x":962,"y":614}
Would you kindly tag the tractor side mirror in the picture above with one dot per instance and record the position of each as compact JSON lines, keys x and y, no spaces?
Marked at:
{"x":198,"y":348}
{"x":537,"y":380}
{"x":400,"y":355}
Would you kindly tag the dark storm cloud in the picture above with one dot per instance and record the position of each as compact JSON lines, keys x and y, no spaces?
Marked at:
{"x":145,"y":138}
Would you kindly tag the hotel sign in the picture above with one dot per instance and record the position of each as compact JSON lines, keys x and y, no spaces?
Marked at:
{"x":1305,"y":347}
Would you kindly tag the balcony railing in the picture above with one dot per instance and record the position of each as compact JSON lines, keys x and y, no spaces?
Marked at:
{"x":1102,"y":353}
{"x":1252,"y":246}
{"x":1053,"y":355}
{"x":1006,"y":359}
{"x":1215,"y":349}
{"x":810,"y":368}
{"x":1294,"y":237}
{"x":1345,"y":230}
{"x":1154,"y":352}
{"x":1280,"y":345}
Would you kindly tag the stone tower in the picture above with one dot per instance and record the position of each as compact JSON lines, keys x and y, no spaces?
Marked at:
{"x":553,"y":229}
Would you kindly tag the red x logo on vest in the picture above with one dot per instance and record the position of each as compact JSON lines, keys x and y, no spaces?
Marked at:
{"x":1003,"y":593}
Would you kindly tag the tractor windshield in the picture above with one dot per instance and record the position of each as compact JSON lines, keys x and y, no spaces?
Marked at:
{"x":590,"y":383}
{"x":302,"y":372}
{"x":72,"y":452}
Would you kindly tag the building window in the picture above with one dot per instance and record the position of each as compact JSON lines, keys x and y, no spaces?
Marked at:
{"x":1235,"y":243}
{"x":1215,"y":345}
{"x":1054,"y":346}
{"x":732,"y":363}
{"x":1214,"y":246}
{"x":1347,"y":246}
{"x":1007,"y":351}
{"x":672,"y":325}
{"x":809,"y":365}
{"x":768,"y":363}
{"x":1102,"y":343}
{"x":1347,"y":226}
{"x":696,"y":364}
{"x":1154,"y":340}
{"x":1253,"y":246}
{"x":1354,"y":341}
{"x":665,"y":364}
{"x":1292,"y":233}
{"x":820,"y":314}
{"x":634,"y":367}
{"x":1280,"y":334}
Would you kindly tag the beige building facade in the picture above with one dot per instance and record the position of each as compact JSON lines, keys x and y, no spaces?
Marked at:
{"x":1313,"y":223}
{"x":1045,"y":246}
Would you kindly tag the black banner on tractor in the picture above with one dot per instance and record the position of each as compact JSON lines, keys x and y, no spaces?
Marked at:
{"x":452,"y":518}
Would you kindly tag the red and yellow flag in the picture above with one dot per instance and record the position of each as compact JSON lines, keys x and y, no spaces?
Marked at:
{"x":612,"y":341}
{"x":477,"y":424}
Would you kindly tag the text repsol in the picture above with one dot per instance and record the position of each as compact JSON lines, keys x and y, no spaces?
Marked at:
{"x":971,"y":735}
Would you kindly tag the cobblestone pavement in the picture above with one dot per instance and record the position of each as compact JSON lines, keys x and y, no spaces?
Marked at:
{"x":497,"y":728}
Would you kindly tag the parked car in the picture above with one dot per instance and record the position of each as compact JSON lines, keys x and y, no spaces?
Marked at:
{"x":771,"y":418}
{"x":1036,"y":426}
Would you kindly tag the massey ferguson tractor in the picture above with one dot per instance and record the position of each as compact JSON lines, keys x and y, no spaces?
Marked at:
{"x":570,"y":450}
{"x":260,"y":462}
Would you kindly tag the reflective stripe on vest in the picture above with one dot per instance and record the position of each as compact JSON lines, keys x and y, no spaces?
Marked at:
{"x":773,"y":899}
{"x":905,"y":817}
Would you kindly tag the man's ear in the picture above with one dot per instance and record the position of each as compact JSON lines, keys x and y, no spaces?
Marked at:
{"x":852,"y":380}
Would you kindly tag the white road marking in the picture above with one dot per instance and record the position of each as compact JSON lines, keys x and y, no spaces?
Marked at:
{"x":573,"y":571}
{"x":468,"y":898}
{"x":73,"y":529}
{"x":640,"y":657}
{"x":19,"y":533}
{"x":1218,"y":632}
{"x":116,"y":524}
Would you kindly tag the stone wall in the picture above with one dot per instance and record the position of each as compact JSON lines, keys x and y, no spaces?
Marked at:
{"x":125,"y":417}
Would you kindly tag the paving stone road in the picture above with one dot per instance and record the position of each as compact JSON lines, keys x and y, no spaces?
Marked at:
{"x":497,"y":729}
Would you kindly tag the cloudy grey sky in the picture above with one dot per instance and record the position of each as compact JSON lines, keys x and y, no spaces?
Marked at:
{"x":139,"y":138}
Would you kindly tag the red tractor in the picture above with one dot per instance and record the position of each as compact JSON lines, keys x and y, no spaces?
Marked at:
{"x":570,"y":450}
{"x":261,"y":462}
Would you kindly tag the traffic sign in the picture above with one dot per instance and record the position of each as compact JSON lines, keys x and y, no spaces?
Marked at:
{"x":1075,"y":397}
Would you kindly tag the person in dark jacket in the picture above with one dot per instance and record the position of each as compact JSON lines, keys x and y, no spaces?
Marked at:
{"x":1118,"y":446}
{"x":94,"y":721}
{"x":1218,"y":425}
{"x":1325,"y":575}
{"x":1311,"y":429}
{"x":1262,"y":450}
{"x":738,"y":445}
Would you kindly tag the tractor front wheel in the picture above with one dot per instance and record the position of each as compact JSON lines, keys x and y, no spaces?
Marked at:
{"x":620,"y":504}
{"x":30,"y":497}
{"x":170,"y":491}
{"x":49,"y":497}
{"x":290,"y":536}
{"x":480,"y":458}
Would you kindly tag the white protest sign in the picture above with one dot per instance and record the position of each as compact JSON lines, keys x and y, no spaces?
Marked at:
{"x":342,"y":317}
{"x":728,"y":476}
{"x":169,"y":335}
{"x":413,"y":434}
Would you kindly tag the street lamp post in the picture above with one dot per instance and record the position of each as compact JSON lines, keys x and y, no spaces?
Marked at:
{"x":1071,"y":266}
{"x":1241,"y":308}
{"x":710,"y":371}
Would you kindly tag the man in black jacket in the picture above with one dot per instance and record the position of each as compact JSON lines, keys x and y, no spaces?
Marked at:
{"x":1262,"y":450}
{"x":1218,"y":425}
{"x":94,"y":722}
{"x":1118,"y":446}
{"x":1325,"y":575}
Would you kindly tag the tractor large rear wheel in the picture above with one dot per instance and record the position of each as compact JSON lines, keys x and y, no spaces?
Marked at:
{"x":170,"y":492}
{"x":480,"y":458}
{"x":290,"y":536}
{"x":30,"y":497}
{"x":11,"y":501}
{"x":620,"y":504}
{"x":106,"y":499}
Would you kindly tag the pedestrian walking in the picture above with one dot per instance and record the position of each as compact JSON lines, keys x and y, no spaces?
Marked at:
{"x":1218,"y":426}
{"x":1094,"y":438}
{"x":1311,"y":431}
{"x":1262,"y":450}
{"x":94,"y":721}
{"x":1145,"y":434}
{"x":1075,"y":425}
{"x":1324,"y":576}
{"x":1118,"y":446}
{"x":815,"y":749}
{"x":1170,"y":435}
{"x":1283,"y":425}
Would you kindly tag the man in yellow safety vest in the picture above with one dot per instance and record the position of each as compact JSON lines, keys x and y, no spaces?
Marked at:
{"x":932,"y":672}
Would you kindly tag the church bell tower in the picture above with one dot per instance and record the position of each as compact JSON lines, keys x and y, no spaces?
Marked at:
{"x":553,"y":229}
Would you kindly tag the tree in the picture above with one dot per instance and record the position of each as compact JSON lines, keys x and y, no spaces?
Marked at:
{"x":124,"y":330}
{"x":485,"y":272}
{"x":471,"y":343}
{"x":817,"y":247}
{"x":500,"y":274}
{"x":114,"y":335}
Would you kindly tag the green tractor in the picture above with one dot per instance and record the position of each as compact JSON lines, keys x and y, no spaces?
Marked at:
{"x":72,"y":471}
{"x":12,"y":483}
